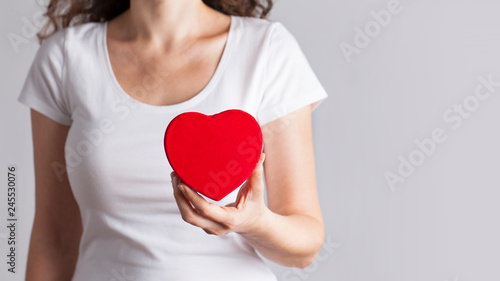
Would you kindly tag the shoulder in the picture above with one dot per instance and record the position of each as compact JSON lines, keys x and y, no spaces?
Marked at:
{"x":59,"y":41}
{"x":54,"y":49}
{"x":252,"y":24}
{"x":266,"y":33}
{"x":79,"y":31}
{"x":52,"y":45}
{"x":84,"y":33}
{"x":258,"y":26}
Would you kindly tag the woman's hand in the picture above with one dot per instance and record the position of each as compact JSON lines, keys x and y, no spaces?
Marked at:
{"x":289,"y":230}
{"x":244,"y":216}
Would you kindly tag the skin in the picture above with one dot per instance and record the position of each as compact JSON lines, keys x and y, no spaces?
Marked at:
{"x":290,"y":230}
{"x":176,"y":44}
{"x":179,"y":43}
{"x":57,"y":226}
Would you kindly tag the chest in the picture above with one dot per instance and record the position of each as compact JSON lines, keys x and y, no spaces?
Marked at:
{"x":164,"y":78}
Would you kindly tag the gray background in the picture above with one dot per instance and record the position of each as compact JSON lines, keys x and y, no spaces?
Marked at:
{"x":441,"y":223}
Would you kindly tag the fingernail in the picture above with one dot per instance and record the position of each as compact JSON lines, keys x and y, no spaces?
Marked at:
{"x":181,"y":187}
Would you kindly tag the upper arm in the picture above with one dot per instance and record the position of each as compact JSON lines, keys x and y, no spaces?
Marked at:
{"x":57,"y":215}
{"x":289,"y":166}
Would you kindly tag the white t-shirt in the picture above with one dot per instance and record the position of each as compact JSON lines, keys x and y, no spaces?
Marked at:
{"x":116,"y":163}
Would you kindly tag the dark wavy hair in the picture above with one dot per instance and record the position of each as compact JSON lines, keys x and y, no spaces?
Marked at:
{"x":63,"y":13}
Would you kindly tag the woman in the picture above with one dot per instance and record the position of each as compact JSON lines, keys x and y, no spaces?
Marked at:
{"x":102,"y":92}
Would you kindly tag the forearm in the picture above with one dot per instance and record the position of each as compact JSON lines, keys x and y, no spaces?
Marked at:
{"x":292,"y":240}
{"x":48,"y":262}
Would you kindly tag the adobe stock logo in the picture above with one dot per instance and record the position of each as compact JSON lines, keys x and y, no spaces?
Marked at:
{"x":28,"y":31}
{"x":454,"y":117}
{"x":327,"y":250}
{"x":363,"y":35}
{"x":222,"y":179}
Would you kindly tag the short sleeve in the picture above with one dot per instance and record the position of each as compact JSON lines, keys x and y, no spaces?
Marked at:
{"x":42,"y":89}
{"x":290,"y":81}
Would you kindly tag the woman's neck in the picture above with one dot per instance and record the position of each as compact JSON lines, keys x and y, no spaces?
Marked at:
{"x":167,"y":23}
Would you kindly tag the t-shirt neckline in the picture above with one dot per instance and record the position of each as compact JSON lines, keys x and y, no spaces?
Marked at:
{"x":173,"y":107}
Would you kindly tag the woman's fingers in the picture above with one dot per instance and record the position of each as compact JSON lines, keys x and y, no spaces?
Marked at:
{"x":191,"y":216}
{"x":253,"y":188}
{"x":219,"y":220}
{"x":203,"y":207}
{"x":257,"y":178}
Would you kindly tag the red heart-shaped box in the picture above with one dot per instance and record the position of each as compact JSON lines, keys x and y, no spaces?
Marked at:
{"x":213,"y":154}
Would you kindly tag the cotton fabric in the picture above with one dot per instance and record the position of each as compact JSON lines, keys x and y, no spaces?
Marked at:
{"x":115,"y":158}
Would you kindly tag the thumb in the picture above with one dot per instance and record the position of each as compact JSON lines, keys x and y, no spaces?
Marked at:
{"x":253,"y":187}
{"x":255,"y":180}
